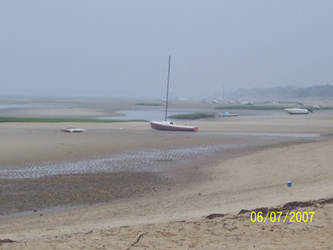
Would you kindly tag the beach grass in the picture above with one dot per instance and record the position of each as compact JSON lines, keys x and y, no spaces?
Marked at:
{"x":193,"y":116}
{"x":270,"y":107}
{"x":148,"y":104}
{"x":58,"y":120}
{"x":254,"y":107}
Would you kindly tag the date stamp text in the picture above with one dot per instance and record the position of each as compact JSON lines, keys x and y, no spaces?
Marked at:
{"x":282,"y":217}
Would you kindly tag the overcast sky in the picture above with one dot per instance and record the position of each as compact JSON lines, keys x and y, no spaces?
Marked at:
{"x":119,"y":49}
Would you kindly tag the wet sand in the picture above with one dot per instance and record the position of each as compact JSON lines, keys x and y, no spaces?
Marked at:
{"x":31,"y":195}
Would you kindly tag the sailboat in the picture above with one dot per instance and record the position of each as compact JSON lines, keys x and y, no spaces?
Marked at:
{"x":170,"y":125}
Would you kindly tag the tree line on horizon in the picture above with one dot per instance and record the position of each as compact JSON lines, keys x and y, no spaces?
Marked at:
{"x":292,"y":92}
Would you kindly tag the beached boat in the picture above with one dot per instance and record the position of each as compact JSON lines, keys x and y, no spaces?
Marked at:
{"x":297,"y":111}
{"x":169,"y":125}
{"x":73,"y":130}
{"x":228,"y":114}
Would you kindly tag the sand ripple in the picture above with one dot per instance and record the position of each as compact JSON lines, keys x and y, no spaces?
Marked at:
{"x":139,"y":161}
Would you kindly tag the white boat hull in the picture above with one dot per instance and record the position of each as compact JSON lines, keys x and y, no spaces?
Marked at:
{"x":171,"y":126}
{"x":297,"y":111}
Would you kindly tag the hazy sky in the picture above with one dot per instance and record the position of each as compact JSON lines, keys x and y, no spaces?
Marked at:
{"x":120,"y":48}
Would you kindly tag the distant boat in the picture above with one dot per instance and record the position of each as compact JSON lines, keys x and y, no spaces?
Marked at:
{"x":228,"y":114}
{"x":297,"y":111}
{"x":169,"y":125}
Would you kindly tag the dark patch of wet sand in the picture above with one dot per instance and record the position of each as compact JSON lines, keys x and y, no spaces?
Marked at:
{"x":20,"y":195}
{"x":31,"y":194}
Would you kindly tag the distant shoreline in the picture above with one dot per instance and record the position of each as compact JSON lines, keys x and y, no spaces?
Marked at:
{"x":59,"y":120}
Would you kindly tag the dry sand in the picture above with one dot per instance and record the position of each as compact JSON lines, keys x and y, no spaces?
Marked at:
{"x":229,"y":232}
{"x":255,"y":179}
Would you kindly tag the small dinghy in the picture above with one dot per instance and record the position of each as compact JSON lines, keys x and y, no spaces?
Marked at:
{"x":168,"y":125}
{"x":228,"y":114}
{"x":73,"y":130}
{"x":297,"y":111}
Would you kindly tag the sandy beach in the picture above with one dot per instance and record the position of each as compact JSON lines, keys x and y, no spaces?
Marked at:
{"x":109,"y":210}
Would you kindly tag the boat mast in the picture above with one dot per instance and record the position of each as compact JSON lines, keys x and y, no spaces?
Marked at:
{"x":167,"y":95}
